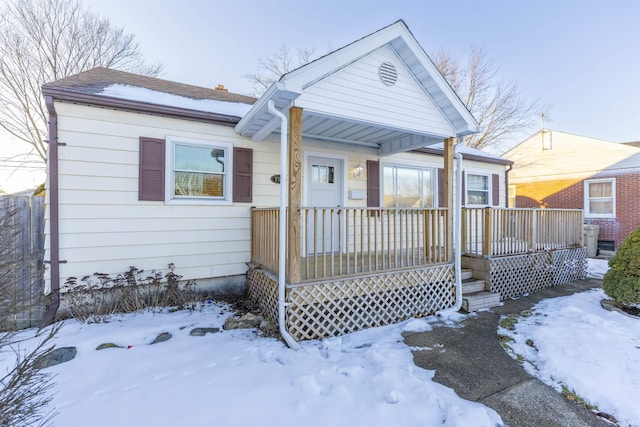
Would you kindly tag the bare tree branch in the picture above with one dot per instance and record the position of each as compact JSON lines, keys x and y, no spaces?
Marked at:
{"x":271,"y":68}
{"x":496,"y":104}
{"x":46,"y":40}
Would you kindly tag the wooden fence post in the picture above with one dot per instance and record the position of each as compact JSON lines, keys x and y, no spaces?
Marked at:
{"x":487,"y":238}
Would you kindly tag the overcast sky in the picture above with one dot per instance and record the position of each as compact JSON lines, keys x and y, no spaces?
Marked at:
{"x":581,"y":57}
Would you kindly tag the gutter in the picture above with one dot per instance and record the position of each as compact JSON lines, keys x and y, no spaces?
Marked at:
{"x":284,"y":188}
{"x":457,"y":232}
{"x":54,"y":233}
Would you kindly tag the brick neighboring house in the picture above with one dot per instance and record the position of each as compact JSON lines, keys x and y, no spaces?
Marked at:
{"x":554,"y":169}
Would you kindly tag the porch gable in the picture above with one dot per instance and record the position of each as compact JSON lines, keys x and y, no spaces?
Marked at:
{"x":382,"y":91}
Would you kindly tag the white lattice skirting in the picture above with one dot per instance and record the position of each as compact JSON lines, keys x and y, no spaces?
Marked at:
{"x":512,"y":276}
{"x":340,"y":306}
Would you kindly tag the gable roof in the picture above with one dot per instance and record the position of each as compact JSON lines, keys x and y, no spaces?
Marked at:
{"x":362,"y":110}
{"x":119,"y":89}
{"x":567,"y":155}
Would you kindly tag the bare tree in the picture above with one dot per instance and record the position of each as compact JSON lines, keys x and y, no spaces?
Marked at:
{"x":496,"y":104}
{"x":271,"y":68}
{"x":46,"y":40}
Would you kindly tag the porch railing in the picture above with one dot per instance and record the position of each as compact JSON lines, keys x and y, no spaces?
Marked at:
{"x":351,"y":241}
{"x":508,"y":231}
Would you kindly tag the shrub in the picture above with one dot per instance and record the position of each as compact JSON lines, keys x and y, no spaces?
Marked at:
{"x":622,"y":281}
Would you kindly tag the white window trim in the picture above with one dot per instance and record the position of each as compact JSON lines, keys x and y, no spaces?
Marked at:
{"x":489,"y":189}
{"x":587,"y":213}
{"x":412,"y":165}
{"x":169,"y":186}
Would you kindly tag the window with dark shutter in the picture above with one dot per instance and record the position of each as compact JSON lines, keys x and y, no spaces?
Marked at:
{"x":373,"y":184}
{"x":151,"y":169}
{"x":242,"y":174}
{"x":495,"y":189}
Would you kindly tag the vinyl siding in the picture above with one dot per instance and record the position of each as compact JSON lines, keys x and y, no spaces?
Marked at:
{"x":105,"y":228}
{"x":356,"y":91}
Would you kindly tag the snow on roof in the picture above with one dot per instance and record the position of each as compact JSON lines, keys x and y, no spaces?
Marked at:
{"x":136,"y":93}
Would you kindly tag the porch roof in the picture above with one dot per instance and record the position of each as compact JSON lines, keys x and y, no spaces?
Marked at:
{"x":382,"y":91}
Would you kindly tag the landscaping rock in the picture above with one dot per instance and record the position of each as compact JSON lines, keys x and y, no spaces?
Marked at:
{"x":57,"y":356}
{"x":247,"y":321}
{"x":108,"y":345}
{"x":165,"y":336}
{"x":200,"y":332}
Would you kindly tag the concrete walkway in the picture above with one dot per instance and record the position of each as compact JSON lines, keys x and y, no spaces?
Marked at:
{"x":472,"y":362}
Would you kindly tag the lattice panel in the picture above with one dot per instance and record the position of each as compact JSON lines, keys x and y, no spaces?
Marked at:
{"x":569,"y":265}
{"x":264,"y":290}
{"x":343,"y":306}
{"x":512,"y":276}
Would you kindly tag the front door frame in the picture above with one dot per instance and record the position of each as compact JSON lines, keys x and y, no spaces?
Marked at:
{"x":305,"y":194}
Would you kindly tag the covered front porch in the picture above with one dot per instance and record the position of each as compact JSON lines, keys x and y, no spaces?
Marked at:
{"x":354,"y":268}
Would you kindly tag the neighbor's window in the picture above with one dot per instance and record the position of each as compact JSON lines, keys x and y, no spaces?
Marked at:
{"x":477,"y":189}
{"x":199,"y":170}
{"x":600,"y":198}
{"x":407,"y":187}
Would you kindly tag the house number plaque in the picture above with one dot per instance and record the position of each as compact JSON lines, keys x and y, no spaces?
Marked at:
{"x":275,"y":179}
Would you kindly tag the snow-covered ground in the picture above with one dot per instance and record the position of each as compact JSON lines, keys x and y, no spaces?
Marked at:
{"x":591,"y":351}
{"x":239,"y":378}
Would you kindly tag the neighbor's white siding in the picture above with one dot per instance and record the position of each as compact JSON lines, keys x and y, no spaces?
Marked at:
{"x":356,"y":91}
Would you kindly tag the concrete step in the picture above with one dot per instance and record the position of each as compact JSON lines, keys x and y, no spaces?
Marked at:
{"x":470,"y":286}
{"x":467,"y":273}
{"x":479,"y":300}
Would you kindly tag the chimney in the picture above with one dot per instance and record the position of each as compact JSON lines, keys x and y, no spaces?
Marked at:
{"x":222,"y":88}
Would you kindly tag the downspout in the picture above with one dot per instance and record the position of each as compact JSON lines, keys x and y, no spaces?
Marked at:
{"x":52,"y":192}
{"x":284,"y":188}
{"x":506,"y":186}
{"x":457,"y":232}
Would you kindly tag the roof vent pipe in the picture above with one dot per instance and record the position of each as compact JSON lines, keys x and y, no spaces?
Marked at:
{"x":284,"y":188}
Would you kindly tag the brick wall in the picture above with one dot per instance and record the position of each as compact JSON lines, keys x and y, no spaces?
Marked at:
{"x":569,"y":194}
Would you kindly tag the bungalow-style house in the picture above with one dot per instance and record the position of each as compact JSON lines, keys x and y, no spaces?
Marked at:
{"x":554,"y":169}
{"x":332,"y":195}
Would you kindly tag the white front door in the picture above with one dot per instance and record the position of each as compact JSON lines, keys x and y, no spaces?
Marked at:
{"x":324,"y":190}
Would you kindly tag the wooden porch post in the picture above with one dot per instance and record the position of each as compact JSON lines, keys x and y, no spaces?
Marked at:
{"x":448,"y":195}
{"x":295,"y":195}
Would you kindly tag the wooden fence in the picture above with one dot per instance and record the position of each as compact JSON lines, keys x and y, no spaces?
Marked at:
{"x":22,"y":302}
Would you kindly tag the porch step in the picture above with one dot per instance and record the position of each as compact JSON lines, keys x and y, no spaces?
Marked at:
{"x":467,"y":273}
{"x":479,"y":300}
{"x":471,"y":285}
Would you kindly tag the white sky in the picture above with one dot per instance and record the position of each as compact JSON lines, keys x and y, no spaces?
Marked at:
{"x":582,"y":57}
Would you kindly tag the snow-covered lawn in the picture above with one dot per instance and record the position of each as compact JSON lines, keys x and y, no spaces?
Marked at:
{"x":239,"y":378}
{"x":573,"y":342}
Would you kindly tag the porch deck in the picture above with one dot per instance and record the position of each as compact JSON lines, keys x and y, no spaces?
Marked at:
{"x":366,"y":267}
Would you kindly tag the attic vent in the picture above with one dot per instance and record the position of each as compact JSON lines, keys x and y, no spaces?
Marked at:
{"x":388,"y":73}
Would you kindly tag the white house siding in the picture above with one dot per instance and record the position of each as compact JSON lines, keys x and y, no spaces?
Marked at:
{"x":356,"y":91}
{"x":104,"y":228}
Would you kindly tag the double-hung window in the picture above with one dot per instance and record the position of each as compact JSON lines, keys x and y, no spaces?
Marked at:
{"x":477,"y":189}
{"x":600,"y":198}
{"x":408,"y":187}
{"x":199,"y":170}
